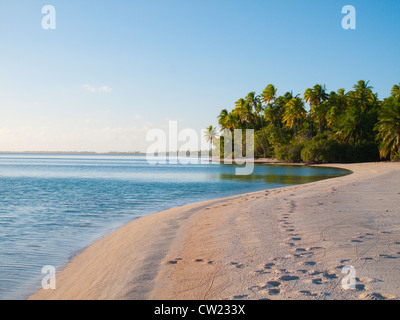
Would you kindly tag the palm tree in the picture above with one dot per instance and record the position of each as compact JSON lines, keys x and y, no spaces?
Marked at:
{"x":356,"y":126}
{"x":316,"y":97}
{"x":338,"y":103}
{"x":350,"y":129}
{"x":232,"y":122}
{"x":257,"y":118}
{"x":357,"y":123}
{"x":293,"y":113}
{"x":227,"y":121}
{"x":222,"y":118}
{"x":210,"y":135}
{"x":396,"y":91}
{"x":274,"y":106}
{"x":362,"y":96}
{"x":242,"y":110}
{"x":273,"y":114}
{"x":289,"y":96}
{"x":253,"y":100}
{"x":276,"y":111}
{"x":269,"y":94}
{"x":389,"y":125}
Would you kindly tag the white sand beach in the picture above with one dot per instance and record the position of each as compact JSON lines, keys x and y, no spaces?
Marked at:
{"x":286,"y":243}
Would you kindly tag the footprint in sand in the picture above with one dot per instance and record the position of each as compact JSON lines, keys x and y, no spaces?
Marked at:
{"x":255,"y":288}
{"x":317,"y":281}
{"x":268,"y":266}
{"x":237,"y":265}
{"x":177,"y":260}
{"x":288,"y":278}
{"x":308,"y":293}
{"x":360,"y":287}
{"x":376,"y":296}
{"x":315,"y":272}
{"x":270,"y":285}
{"x":293,"y":239}
{"x":202,"y":260}
{"x":273,"y":283}
{"x":301,"y":252}
{"x":241,"y":296}
{"x":329,"y":275}
{"x":314,"y":248}
{"x":386,"y":256}
{"x":302,"y":271}
{"x":274,"y":292}
{"x":261,"y":271}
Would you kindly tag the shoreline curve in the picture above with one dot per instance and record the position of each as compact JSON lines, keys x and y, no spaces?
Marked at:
{"x":238,"y":247}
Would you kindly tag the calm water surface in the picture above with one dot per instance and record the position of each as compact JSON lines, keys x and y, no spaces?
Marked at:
{"x":52,"y":206}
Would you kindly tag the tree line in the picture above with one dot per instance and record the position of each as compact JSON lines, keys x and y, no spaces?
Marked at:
{"x":338,"y":126}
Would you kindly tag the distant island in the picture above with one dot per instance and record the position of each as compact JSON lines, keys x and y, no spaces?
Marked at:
{"x":74,"y":152}
{"x":133,"y":153}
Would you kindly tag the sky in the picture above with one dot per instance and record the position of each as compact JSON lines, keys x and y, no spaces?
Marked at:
{"x":111,"y":71}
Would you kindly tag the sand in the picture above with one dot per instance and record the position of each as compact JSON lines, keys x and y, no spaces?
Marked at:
{"x":287,"y":243}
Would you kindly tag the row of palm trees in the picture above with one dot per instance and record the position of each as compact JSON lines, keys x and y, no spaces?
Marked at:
{"x":388,"y":125}
{"x":349,"y":117}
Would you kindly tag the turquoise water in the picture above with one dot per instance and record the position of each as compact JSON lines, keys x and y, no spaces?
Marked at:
{"x":52,"y":206}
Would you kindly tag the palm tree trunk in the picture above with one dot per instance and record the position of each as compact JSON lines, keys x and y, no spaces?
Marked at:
{"x":265,"y":137}
{"x":262,"y":145}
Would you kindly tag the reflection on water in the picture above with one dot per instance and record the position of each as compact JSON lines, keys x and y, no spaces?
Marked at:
{"x":285,"y":175}
{"x":273,"y":178}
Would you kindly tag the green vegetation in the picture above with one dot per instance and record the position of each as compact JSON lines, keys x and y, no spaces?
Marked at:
{"x":338,"y":126}
{"x":211,"y":134}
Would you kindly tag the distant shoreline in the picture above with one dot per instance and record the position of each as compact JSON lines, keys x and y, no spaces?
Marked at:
{"x":133,"y":153}
{"x":138,"y":153}
{"x":73,"y":152}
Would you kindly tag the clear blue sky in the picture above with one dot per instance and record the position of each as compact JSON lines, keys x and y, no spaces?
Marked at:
{"x":114,"y":69}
